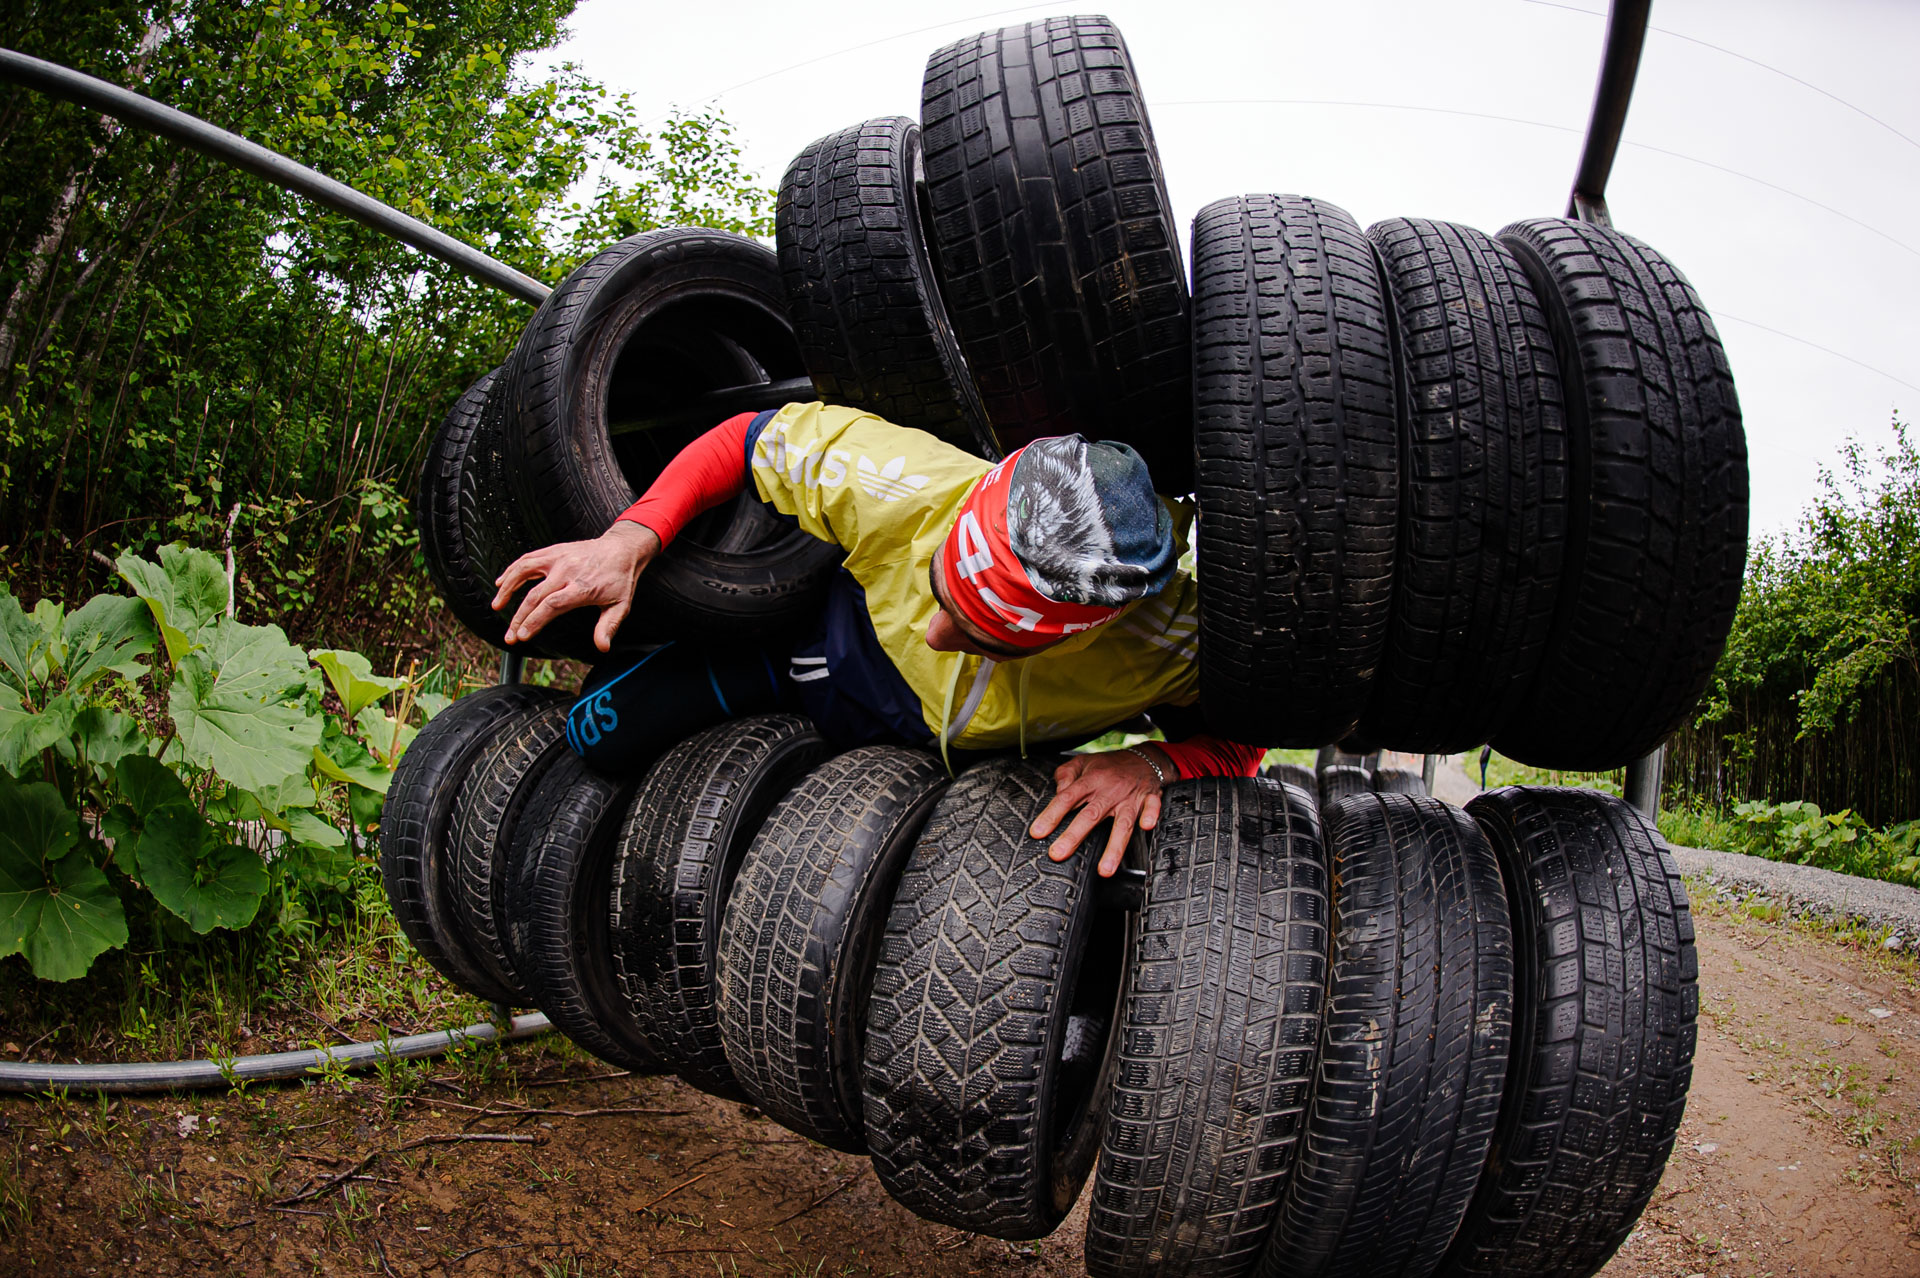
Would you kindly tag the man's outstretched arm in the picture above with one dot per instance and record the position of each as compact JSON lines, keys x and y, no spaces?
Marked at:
{"x":602,"y":572}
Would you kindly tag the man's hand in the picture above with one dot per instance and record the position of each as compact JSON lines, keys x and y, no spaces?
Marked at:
{"x":1114,"y":783}
{"x":579,"y":574}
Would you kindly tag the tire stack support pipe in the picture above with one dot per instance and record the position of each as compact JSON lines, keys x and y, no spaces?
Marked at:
{"x":98,"y":95}
{"x":1619,"y":64}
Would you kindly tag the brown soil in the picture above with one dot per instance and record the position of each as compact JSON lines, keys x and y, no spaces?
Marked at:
{"x":1799,"y":1155}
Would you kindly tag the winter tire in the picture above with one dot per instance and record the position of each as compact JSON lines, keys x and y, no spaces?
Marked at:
{"x":415,"y":849}
{"x":988,"y":1032}
{"x":486,"y":812}
{"x":1413,"y":1051}
{"x":1054,"y":239}
{"x":471,"y":527}
{"x":866,"y":308}
{"x":1399,"y":781}
{"x":556,"y":915}
{"x":1342,"y":781}
{"x":1297,"y":467}
{"x":1657,"y":509}
{"x":1219,"y":1025}
{"x":1483,"y":489}
{"x":802,"y":933}
{"x":680,"y":847}
{"x":620,"y":368}
{"x":1605,"y":1001}
{"x":1294,"y":774}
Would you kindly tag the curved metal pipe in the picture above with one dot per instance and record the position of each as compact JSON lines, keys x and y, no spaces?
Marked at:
{"x":110,"y":99}
{"x":167,"y":1076}
{"x":1619,"y":64}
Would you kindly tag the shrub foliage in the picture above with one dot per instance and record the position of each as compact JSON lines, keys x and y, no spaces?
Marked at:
{"x":1817,"y":697}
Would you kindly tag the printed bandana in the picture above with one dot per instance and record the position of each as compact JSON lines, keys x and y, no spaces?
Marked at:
{"x":988,"y":583}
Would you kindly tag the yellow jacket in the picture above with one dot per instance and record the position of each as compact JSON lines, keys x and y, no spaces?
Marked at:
{"x":887,"y":495}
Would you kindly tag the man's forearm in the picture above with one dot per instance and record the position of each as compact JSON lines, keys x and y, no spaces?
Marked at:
{"x":709,"y":471}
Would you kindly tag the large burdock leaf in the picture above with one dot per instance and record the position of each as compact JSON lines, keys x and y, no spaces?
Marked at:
{"x":353,"y":680}
{"x":105,"y":737}
{"x":24,"y":734}
{"x":186,"y":591}
{"x":22,"y":645}
{"x":105,"y":636}
{"x":345,"y":760}
{"x":206,"y":882}
{"x":57,"y":909}
{"x":235,"y":706}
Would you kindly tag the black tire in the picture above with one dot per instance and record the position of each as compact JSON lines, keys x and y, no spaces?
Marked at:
{"x":1341,"y":781}
{"x":1335,"y":756}
{"x":1297,"y":467}
{"x":688,"y":827}
{"x":1483,"y":484}
{"x":1399,"y":781}
{"x":471,"y":527}
{"x":1413,"y":1052}
{"x":1605,"y":1001}
{"x":1054,"y":239}
{"x":486,"y":812}
{"x":636,"y":335}
{"x":416,"y":857}
{"x":1219,"y":1024}
{"x":866,"y":308}
{"x":1657,"y":510}
{"x":557,"y":909}
{"x":1297,"y":775}
{"x":989,"y":1028}
{"x":802,"y":933}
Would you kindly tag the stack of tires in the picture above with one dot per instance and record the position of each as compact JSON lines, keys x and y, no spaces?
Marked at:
{"x":1453,"y":488}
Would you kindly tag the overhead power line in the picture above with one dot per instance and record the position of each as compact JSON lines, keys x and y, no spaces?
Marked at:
{"x":1794,"y":337}
{"x":1764,"y":66}
{"x":1545,"y":124}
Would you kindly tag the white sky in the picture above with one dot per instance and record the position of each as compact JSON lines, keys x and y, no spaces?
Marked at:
{"x":786,"y":73}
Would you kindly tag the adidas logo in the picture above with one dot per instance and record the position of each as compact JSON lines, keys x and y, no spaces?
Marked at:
{"x":888,"y":483}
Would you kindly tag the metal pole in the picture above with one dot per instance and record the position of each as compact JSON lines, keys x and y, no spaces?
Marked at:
{"x":513,"y":666}
{"x":1643,"y":782}
{"x":1626,"y":33}
{"x":134,"y":108}
{"x":1429,"y":770}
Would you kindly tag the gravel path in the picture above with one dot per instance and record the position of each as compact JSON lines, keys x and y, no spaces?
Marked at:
{"x":1809,"y":889}
{"x":1800,"y":888}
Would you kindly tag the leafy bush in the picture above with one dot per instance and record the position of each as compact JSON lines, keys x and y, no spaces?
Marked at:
{"x":188,"y":352}
{"x":158,"y":754}
{"x":1818,"y":691}
{"x":1799,"y":832}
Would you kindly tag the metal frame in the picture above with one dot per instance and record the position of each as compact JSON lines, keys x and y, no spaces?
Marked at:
{"x":1619,"y":65}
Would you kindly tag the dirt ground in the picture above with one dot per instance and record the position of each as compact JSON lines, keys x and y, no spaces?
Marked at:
{"x":1799,"y":1155}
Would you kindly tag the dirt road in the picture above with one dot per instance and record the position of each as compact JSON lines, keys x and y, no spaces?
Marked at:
{"x":1799,"y":1155}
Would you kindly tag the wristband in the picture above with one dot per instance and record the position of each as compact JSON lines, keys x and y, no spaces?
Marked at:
{"x":1148,"y":759}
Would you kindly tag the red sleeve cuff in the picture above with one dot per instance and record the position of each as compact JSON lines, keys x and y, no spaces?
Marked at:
{"x":1205,"y":756}
{"x":710,"y":470}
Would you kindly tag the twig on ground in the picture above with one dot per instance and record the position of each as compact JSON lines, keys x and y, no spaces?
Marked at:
{"x":296,"y":1211}
{"x":697,"y":1251}
{"x":671,"y":1192}
{"x":329,"y":1159}
{"x":585,"y":1078}
{"x":323,"y":1021}
{"x":816,"y":1202}
{"x":381,"y":1252}
{"x":334,"y":1182}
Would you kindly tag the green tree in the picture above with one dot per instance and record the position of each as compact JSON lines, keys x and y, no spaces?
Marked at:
{"x":188,"y":351}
